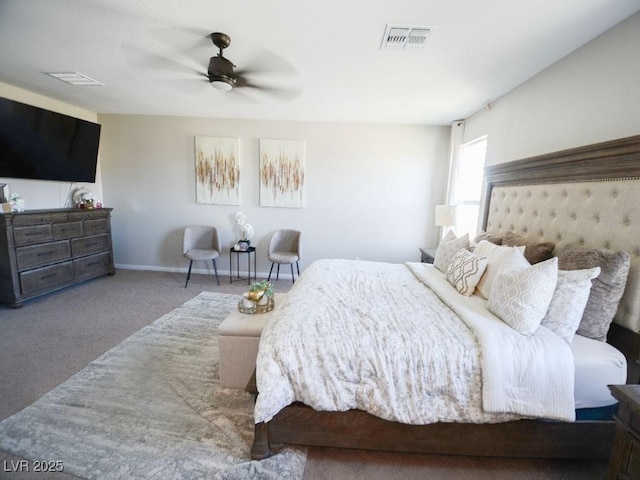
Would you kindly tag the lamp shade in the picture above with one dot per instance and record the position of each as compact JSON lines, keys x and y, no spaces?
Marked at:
{"x":445,"y":215}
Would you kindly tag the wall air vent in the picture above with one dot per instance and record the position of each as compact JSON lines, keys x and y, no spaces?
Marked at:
{"x":405,"y":36}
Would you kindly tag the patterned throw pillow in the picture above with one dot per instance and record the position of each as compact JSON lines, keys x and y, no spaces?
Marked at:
{"x":447,"y":249}
{"x":497,"y":257}
{"x":568,"y":302}
{"x":521,"y":296}
{"x":465,"y":270}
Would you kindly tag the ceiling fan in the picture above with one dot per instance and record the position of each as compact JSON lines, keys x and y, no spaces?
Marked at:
{"x":221,"y":71}
{"x":266,"y":75}
{"x":223,"y":75}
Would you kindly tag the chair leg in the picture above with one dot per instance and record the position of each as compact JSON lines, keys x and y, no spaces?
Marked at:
{"x":292,"y":279}
{"x":298,"y":267}
{"x":188,"y":273}
{"x":278,"y":272}
{"x":215,"y":269}
{"x":270,"y":270}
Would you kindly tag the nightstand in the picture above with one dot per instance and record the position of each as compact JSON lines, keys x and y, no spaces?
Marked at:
{"x":625,"y":454}
{"x":427,"y":255}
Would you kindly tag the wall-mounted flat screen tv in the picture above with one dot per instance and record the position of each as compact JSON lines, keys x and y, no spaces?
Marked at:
{"x":43,"y":145}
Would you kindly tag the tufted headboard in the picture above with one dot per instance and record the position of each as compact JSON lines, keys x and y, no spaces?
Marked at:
{"x":587,"y":196}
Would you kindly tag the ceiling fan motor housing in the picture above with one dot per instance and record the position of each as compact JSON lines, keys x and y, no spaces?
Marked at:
{"x":221,"y":70}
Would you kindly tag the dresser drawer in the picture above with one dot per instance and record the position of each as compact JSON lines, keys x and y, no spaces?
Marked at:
{"x":81,"y":247}
{"x":32,"y":234}
{"x":89,"y":214}
{"x":37,"y":255}
{"x":66,"y":230}
{"x":94,"y":227}
{"x":44,"y":278}
{"x":38,"y":218}
{"x":92,"y":265}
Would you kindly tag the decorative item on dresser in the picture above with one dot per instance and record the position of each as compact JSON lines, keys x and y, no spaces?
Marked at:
{"x":45,"y":250}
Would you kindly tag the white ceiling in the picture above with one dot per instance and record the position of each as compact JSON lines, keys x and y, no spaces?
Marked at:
{"x":150,"y":54}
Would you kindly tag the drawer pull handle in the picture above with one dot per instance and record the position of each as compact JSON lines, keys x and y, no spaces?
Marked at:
{"x":44,"y":254}
{"x":91,"y":244}
{"x":51,"y":275}
{"x":34,"y":234}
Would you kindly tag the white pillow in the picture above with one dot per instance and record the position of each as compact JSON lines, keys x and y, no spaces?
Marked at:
{"x":568,"y":302}
{"x":465,"y":270}
{"x":521,"y":296}
{"x":448,"y":248}
{"x":497,"y":256}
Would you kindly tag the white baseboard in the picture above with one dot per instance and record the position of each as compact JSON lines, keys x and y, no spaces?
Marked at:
{"x":201,"y":271}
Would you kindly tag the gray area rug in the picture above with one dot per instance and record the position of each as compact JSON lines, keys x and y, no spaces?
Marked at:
{"x":151,"y":408}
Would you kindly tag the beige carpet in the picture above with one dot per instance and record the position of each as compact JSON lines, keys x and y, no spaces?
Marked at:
{"x":151,"y":408}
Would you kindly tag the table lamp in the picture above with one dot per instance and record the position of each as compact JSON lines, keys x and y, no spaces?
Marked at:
{"x":445,"y":216}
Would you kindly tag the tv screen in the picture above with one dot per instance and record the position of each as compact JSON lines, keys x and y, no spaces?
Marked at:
{"x":43,"y":145}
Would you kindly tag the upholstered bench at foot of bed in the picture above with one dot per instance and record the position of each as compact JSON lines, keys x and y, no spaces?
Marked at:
{"x":238,"y":340}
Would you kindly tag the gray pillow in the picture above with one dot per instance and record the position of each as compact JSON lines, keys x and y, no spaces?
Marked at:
{"x":490,"y":237}
{"x":534,"y":251}
{"x":607,"y":288}
{"x":448,"y":247}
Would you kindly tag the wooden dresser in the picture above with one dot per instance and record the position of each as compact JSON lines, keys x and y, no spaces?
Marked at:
{"x":625,"y":456}
{"x":45,"y":250}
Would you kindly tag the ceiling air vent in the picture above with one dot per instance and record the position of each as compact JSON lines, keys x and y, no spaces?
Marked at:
{"x":406,"y":36}
{"x":75,"y":78}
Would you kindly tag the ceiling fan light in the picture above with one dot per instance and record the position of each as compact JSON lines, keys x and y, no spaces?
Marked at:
{"x":221,"y":85}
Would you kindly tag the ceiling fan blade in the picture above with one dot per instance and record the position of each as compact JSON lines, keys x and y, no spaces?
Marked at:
{"x":268,"y":64}
{"x":193,"y":42}
{"x":139,"y":57}
{"x":267,"y":74}
{"x":281,"y":93}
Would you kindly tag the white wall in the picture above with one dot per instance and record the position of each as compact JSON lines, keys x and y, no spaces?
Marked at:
{"x":39,"y":193}
{"x":370,"y":190}
{"x":590,"y":96}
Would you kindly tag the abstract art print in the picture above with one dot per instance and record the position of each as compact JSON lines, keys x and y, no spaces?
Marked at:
{"x":282,"y":173}
{"x":218,"y":170}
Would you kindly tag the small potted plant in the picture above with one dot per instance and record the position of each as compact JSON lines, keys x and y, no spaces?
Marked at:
{"x":246,"y":231}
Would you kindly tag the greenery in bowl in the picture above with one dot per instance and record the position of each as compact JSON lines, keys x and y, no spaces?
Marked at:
{"x":262,"y":286}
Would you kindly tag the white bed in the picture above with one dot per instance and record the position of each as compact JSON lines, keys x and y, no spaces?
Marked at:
{"x":584,"y":197}
{"x":334,"y":346}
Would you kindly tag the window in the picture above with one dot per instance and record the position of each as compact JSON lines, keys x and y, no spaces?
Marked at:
{"x":468,"y":185}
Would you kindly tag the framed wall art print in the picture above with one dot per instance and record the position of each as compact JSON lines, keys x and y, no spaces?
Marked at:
{"x":218,"y":170}
{"x":282,"y":173}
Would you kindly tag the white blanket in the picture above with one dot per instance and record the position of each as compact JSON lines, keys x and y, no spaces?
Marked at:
{"x":531,"y":376}
{"x":372,"y":336}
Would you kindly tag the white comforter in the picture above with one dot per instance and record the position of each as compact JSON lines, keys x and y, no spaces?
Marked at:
{"x":372,"y":336}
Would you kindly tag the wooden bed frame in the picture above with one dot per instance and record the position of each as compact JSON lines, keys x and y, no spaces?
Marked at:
{"x":298,"y":424}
